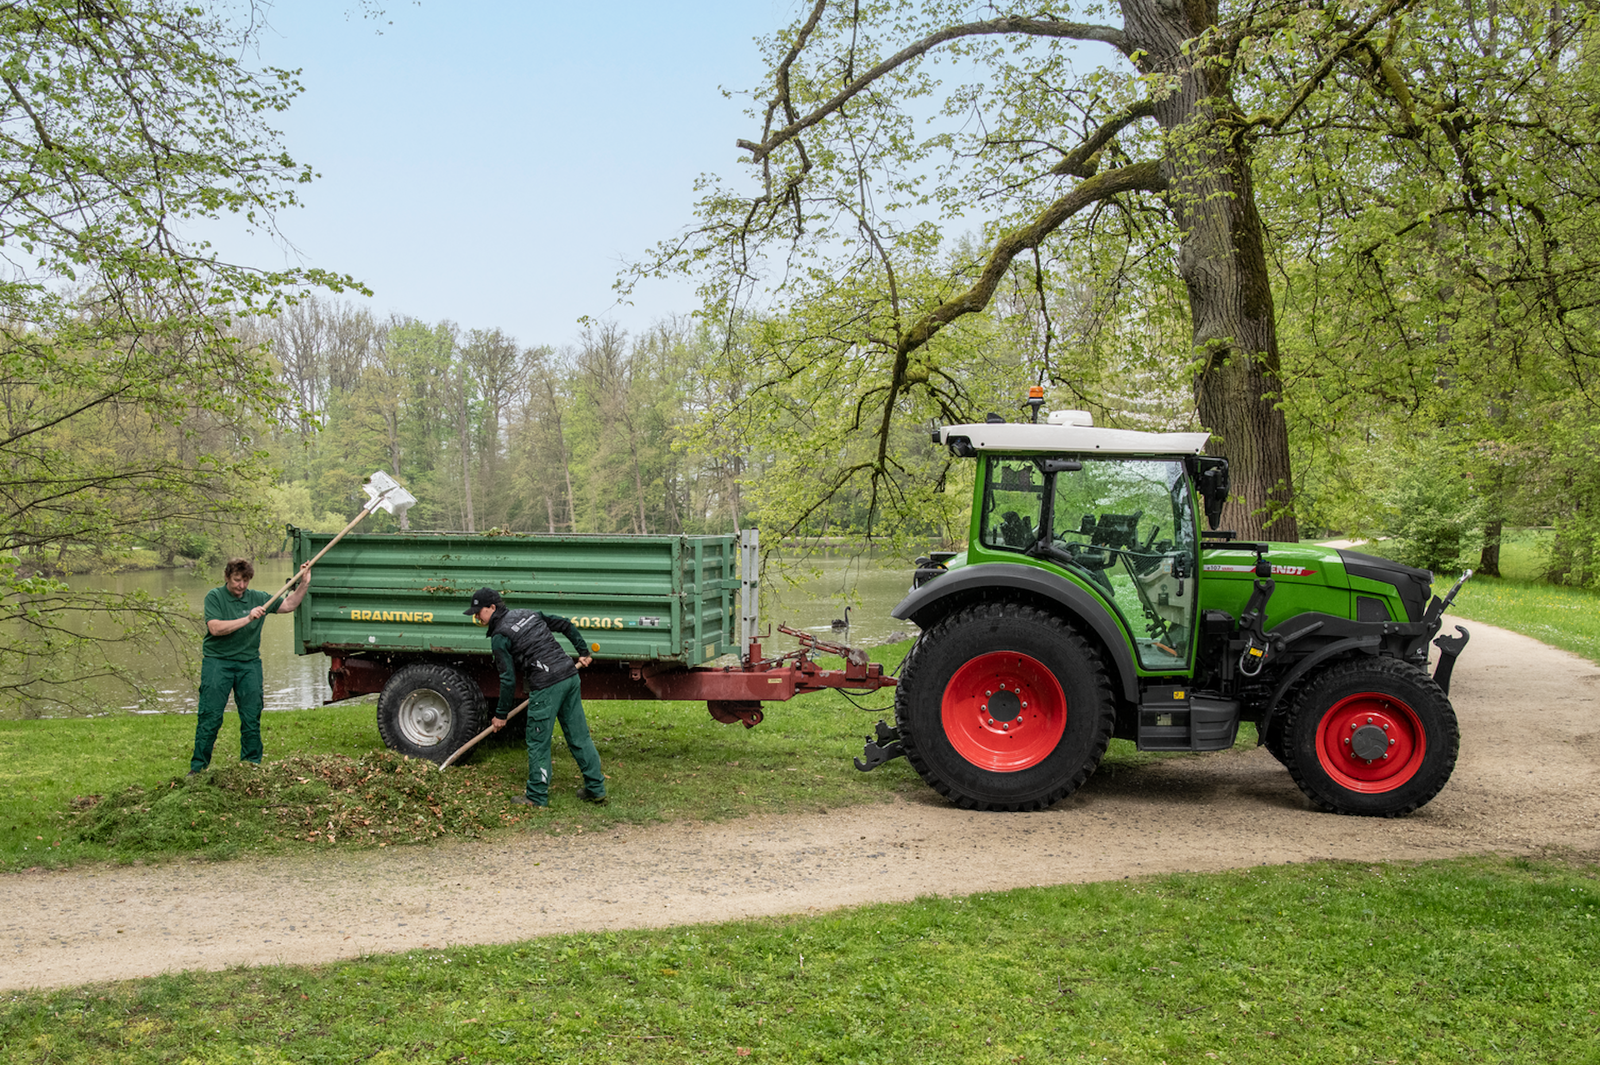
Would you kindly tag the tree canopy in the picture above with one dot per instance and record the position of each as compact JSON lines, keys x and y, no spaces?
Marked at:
{"x":943,"y":190}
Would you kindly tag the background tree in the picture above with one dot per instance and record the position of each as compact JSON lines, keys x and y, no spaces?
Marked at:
{"x":1436,"y":246}
{"x":120,"y":123}
{"x":1116,"y":182}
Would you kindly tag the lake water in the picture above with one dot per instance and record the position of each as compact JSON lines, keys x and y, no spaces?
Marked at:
{"x":294,"y":681}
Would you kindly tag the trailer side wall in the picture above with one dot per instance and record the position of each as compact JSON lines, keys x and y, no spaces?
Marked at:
{"x":668,"y":599}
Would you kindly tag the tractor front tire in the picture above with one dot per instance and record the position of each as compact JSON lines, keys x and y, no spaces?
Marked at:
{"x":1374,"y":737}
{"x":1003,"y":706}
{"x":428,"y":711}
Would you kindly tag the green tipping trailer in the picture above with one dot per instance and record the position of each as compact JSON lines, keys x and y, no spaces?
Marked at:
{"x":663,"y":617}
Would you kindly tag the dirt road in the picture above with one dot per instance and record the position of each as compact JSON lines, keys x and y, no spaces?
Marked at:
{"x":1528,"y":781}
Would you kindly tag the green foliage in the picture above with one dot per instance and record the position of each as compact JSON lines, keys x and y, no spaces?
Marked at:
{"x":1430,"y":510}
{"x":1473,"y":959}
{"x":128,"y":413}
{"x":1437,"y":240}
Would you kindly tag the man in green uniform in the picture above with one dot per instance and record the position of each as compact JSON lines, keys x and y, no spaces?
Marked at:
{"x":522,"y":639}
{"x":231,"y":659}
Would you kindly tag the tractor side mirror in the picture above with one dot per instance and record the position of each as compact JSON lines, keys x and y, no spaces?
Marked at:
{"x":1211,"y":479}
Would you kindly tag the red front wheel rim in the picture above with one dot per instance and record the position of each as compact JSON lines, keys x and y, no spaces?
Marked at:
{"x":1371,"y":743}
{"x":1004,"y":711}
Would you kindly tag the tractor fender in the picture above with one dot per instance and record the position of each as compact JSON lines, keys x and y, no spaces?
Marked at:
{"x":1366,"y":644}
{"x":925,"y":604}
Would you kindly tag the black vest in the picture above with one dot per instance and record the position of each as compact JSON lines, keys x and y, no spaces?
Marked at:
{"x":541,"y":661}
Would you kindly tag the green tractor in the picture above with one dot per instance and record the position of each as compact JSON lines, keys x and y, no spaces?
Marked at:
{"x":1089,"y":605}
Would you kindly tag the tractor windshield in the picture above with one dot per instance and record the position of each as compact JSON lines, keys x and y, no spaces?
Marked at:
{"x":1123,"y":526}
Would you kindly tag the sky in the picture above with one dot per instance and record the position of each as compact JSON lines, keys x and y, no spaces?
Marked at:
{"x":495,"y":163}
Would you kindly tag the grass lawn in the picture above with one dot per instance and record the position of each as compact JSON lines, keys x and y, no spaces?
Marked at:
{"x":665,"y":761}
{"x":1467,"y":960}
{"x":1568,"y":618}
{"x":114,"y":788}
{"x":1519,"y":600}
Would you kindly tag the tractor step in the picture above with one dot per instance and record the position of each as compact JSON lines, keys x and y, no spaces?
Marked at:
{"x":1178,"y":719}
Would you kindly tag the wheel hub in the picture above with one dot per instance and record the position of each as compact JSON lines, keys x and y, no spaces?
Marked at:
{"x":1371,"y":742}
{"x":424,"y":718}
{"x":1368,"y":742}
{"x":1004,"y":711}
{"x":1004,"y":706}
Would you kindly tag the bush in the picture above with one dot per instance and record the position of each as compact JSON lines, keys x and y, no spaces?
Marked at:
{"x":1432,"y":511}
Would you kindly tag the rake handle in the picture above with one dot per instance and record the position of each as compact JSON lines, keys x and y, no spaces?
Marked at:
{"x":473,"y":742}
{"x":314,"y":558}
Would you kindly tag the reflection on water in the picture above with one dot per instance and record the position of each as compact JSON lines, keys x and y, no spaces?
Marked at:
{"x":294,"y":681}
{"x":870,"y":589}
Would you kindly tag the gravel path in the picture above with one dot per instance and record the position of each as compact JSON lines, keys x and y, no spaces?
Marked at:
{"x":1528,"y":782}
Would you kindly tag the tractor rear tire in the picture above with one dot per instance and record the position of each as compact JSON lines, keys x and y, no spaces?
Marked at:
{"x":1375,"y":737}
{"x":1004,"y":707}
{"x":429,"y":711}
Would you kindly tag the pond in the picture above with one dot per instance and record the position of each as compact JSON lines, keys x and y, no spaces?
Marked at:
{"x":871,"y":588}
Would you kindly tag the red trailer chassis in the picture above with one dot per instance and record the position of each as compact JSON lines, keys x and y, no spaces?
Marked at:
{"x":732,"y":693}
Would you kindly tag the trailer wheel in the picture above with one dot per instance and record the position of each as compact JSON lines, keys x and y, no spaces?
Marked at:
{"x":427,"y":711}
{"x":1374,"y":737}
{"x":1004,"y":707}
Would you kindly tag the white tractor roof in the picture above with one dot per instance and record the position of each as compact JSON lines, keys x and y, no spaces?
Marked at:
{"x":1070,"y":432}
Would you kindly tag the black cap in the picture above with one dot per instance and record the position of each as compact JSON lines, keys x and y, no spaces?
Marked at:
{"x":484,"y":597}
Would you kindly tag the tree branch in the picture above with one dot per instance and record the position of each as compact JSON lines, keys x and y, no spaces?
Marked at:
{"x":1137,"y":177}
{"x":1077,"y":31}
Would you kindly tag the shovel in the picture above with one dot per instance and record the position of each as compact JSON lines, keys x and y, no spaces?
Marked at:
{"x":383,"y":491}
{"x":473,"y":742}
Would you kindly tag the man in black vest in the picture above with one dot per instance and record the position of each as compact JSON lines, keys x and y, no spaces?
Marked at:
{"x":522,"y":640}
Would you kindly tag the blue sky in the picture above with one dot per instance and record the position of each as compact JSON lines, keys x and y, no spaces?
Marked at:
{"x":494,"y":163}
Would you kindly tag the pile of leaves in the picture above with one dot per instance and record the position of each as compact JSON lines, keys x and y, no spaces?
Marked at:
{"x":329,"y":800}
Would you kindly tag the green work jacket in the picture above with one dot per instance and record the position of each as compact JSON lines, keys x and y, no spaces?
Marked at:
{"x":241,"y":645}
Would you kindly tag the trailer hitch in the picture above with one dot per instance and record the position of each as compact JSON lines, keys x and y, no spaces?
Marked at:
{"x":886,"y":748}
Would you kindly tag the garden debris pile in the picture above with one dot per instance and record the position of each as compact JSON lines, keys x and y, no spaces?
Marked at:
{"x":379,"y":799}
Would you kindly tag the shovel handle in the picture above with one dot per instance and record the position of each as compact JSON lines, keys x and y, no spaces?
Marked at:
{"x":473,"y":742}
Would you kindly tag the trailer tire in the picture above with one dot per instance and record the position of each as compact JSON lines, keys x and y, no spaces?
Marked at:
{"x":1004,"y":706}
{"x":1374,"y":737}
{"x":428,"y":711}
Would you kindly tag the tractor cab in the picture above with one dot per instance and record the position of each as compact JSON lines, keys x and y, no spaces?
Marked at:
{"x":1122,"y":527}
{"x":1112,"y":510}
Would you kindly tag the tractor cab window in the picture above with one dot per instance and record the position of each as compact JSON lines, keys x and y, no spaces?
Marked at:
{"x":1126,"y":527}
{"x":1013,"y":501}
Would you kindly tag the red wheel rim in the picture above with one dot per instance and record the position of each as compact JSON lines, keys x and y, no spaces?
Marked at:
{"x":1356,"y":728}
{"x":1004,"y":711}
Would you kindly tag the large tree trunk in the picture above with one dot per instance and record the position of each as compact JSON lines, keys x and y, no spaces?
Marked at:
{"x":1222,"y":261}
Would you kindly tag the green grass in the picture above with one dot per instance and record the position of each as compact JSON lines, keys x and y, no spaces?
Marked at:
{"x":664,"y":761}
{"x":113,"y":788}
{"x":1568,"y":618}
{"x":1520,"y":600}
{"x":1466,"y":960}
{"x":1525,"y":553}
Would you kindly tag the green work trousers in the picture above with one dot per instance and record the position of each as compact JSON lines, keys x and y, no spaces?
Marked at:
{"x":561,"y":702}
{"x":220,"y":677}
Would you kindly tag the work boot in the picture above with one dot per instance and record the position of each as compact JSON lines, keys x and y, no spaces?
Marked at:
{"x":588,"y":796}
{"x":523,"y":800}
